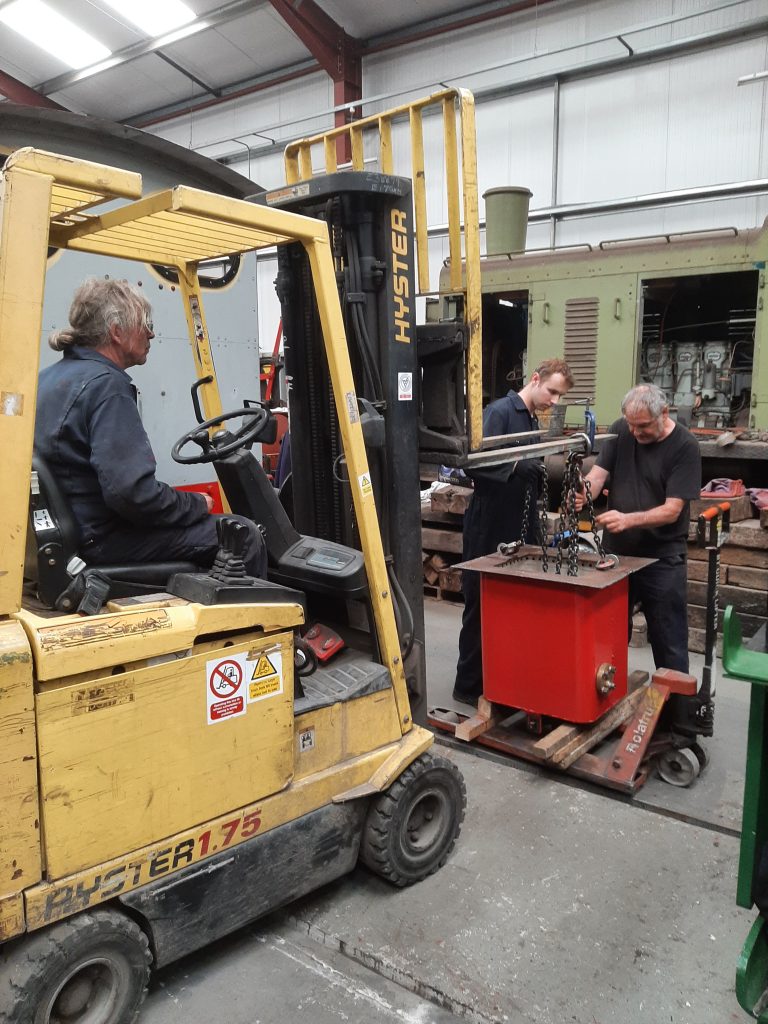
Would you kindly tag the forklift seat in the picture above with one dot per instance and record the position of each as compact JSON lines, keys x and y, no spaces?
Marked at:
{"x":53,"y":539}
{"x":304,"y":563}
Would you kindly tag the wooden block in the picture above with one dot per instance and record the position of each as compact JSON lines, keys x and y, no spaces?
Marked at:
{"x":442,"y":540}
{"x":430,"y":515}
{"x":698,"y":571}
{"x":744,"y":556}
{"x":752,"y":602}
{"x":450,"y":579}
{"x":591,"y":736}
{"x":636,"y":679}
{"x":430,"y":574}
{"x":555,"y":740}
{"x":745,"y":576}
{"x":749,"y":534}
{"x":639,"y":636}
{"x":450,"y":498}
{"x":731,"y":554}
{"x":697,"y":618}
{"x":482,"y":720}
{"x":741,"y":508}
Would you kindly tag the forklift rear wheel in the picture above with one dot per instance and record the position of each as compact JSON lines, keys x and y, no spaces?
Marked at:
{"x":412,"y":827}
{"x":679,"y":767}
{"x":91,"y":969}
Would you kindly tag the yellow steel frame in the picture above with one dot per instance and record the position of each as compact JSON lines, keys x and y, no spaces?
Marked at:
{"x":460,"y":151}
{"x":180,"y":227}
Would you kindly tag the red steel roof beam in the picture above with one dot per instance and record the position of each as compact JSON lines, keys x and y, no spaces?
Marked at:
{"x":17,"y":92}
{"x":337,"y":53}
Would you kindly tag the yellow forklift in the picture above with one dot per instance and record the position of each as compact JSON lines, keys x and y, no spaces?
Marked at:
{"x":166,"y":774}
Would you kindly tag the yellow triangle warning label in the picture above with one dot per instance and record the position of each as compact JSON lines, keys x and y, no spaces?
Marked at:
{"x":264,"y":667}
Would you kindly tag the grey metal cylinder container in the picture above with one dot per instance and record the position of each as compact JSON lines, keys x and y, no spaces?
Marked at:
{"x":506,"y":219}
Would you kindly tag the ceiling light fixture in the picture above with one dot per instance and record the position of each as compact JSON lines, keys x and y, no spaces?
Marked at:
{"x":152,"y":17}
{"x":52,"y":32}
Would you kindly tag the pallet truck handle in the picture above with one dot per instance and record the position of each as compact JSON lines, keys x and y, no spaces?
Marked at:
{"x":719,"y":519}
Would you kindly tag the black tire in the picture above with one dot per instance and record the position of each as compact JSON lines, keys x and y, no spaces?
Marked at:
{"x":90,"y":969}
{"x":412,"y":827}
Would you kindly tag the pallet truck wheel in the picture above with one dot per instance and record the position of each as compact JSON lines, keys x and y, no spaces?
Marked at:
{"x":412,"y":827}
{"x":679,"y":767}
{"x":89,"y":969}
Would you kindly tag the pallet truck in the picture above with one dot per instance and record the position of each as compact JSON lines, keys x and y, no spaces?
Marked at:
{"x":576,"y":708}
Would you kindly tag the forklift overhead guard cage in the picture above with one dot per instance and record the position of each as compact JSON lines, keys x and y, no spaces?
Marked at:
{"x":44,"y":197}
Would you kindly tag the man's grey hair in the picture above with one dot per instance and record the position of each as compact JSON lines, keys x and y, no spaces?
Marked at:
{"x":98,"y":304}
{"x":645,"y":396}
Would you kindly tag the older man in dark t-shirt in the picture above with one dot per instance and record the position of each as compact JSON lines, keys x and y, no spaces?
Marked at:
{"x":653,"y":471}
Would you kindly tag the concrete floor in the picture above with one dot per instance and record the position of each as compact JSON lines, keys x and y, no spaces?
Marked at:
{"x":561,"y":903}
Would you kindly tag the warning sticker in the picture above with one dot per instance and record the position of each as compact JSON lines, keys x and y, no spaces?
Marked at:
{"x":405,"y":387}
{"x":351,"y":399}
{"x":265,"y":676}
{"x":41,"y":519}
{"x":366,"y":487}
{"x":225,"y":687}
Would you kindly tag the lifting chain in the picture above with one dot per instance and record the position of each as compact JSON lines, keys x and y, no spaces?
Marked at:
{"x":566,"y":541}
{"x":529,"y":500}
{"x":591,"y":514}
{"x":543,"y":521}
{"x":571,"y":484}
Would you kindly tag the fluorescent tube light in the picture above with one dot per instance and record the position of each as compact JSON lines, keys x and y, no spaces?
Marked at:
{"x":52,"y":32}
{"x":155,"y":17}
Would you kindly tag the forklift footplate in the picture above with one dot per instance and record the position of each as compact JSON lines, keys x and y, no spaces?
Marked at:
{"x":351,"y":675}
{"x":614,"y":751}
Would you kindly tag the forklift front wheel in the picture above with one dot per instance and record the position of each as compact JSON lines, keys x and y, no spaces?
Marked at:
{"x":90,"y":969}
{"x":412,"y":827}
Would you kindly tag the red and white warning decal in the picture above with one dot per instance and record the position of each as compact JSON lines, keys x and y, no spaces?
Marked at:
{"x":265,"y":675}
{"x":225,"y":687}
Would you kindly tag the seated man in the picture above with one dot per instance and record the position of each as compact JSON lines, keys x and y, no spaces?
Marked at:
{"x":89,"y":431}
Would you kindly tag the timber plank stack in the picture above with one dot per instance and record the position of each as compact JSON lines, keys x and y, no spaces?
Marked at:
{"x":442,"y":520}
{"x":743,"y":574}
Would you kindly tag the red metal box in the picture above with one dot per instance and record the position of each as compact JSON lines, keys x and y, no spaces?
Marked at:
{"x":546,"y":637}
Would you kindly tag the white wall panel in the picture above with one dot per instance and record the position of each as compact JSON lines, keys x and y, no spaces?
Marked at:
{"x":292,"y":107}
{"x":613,"y":135}
{"x":515,"y":143}
{"x":676,"y":123}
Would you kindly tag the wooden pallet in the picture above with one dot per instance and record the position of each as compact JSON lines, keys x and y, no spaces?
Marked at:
{"x":612,"y":752}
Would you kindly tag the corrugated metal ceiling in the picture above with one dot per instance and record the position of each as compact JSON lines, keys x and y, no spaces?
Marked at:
{"x":246,"y":41}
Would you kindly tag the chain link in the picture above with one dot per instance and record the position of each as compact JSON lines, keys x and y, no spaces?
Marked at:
{"x":593,"y":524}
{"x":543,"y":520}
{"x":526,"y":514}
{"x":560,"y":525}
{"x":573,"y":477}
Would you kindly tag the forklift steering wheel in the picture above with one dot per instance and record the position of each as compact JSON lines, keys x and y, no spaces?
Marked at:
{"x":255,"y":417}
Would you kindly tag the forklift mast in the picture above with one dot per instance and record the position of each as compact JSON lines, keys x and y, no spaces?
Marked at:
{"x":370,"y":224}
